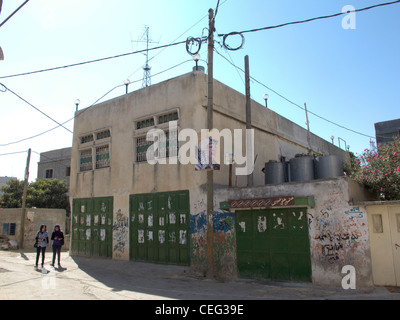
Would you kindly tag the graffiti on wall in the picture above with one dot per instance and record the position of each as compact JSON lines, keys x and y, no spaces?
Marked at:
{"x":224,"y":242}
{"x":120,"y":233}
{"x":338,"y":231}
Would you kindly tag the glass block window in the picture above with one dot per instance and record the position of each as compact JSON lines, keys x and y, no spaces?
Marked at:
{"x":103,"y":134}
{"x":86,"y":162}
{"x":87,"y":138}
{"x":145,"y":123}
{"x":168,"y":117}
{"x":102,"y":157}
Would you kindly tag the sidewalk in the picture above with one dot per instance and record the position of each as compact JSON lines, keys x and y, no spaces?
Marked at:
{"x":104,"y":279}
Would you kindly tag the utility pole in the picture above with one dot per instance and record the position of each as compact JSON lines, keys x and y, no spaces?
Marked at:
{"x":22,"y":224}
{"x":308,"y":130}
{"x":210,"y":173}
{"x":249,"y":151}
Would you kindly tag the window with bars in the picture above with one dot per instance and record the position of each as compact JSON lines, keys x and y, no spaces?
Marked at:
{"x":145,"y":123}
{"x":87,"y":138}
{"x":103,"y":134}
{"x":86,"y":162}
{"x":141,"y":148}
{"x":167,"y":146}
{"x":102,"y":157}
{"x":168,"y":117}
{"x":9,"y":229}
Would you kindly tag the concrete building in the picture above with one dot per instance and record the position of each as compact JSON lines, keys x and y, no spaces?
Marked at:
{"x":10,"y":221}
{"x":125,"y":208}
{"x":386,"y":130}
{"x":55,"y":164}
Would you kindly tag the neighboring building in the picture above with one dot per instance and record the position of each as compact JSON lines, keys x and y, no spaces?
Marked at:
{"x":55,"y":164}
{"x":386,"y":130}
{"x":125,"y":208}
{"x":4,"y":180}
{"x":10,"y":222}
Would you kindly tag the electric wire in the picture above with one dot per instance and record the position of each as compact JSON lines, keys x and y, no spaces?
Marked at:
{"x":308,"y":20}
{"x":293,"y":103}
{"x":93,"y":104}
{"x":12,"y":153}
{"x":9,"y":17}
{"x":91,"y":61}
{"x":30,"y":104}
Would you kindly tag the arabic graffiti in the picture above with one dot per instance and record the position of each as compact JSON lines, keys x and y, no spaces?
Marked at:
{"x":336,"y":232}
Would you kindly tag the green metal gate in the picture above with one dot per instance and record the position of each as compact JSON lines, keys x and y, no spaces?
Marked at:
{"x":92,"y":227}
{"x":273,"y":244}
{"x":159,"y":228}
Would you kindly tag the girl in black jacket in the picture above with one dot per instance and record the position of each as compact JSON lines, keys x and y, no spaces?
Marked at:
{"x":42,"y":241}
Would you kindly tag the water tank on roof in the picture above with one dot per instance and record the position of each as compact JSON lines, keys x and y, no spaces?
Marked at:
{"x":302,"y":168}
{"x":328,"y":167}
{"x":275,"y":172}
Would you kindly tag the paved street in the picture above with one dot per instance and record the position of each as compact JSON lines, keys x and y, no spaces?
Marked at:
{"x":94,"y":279}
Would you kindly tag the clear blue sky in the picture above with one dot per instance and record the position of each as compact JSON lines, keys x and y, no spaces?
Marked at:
{"x":351,"y":77}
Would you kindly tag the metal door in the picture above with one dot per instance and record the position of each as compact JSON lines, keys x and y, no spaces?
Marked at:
{"x":159,"y":227}
{"x":273,"y":244}
{"x":92,"y":226}
{"x":395,"y":232}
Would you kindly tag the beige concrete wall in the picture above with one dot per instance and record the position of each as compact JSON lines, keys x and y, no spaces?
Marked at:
{"x":34,"y":218}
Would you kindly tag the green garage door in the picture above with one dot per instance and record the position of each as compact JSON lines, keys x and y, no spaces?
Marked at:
{"x":92,"y":227}
{"x":159,"y":227}
{"x":273,"y":244}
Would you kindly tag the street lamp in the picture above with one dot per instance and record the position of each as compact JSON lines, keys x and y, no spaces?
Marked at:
{"x":196,"y":58}
{"x":126,"y":83}
{"x":332,"y":138}
{"x":266,"y":97}
{"x":77,"y":102}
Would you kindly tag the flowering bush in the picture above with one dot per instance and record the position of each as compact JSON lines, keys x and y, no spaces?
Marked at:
{"x":378,"y":169}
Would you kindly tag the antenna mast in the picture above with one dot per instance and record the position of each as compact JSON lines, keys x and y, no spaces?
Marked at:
{"x":146,"y":68}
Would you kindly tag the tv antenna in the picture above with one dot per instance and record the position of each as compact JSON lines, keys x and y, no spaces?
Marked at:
{"x":145,"y":38}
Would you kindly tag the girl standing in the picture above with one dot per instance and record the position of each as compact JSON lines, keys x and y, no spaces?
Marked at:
{"x":58,"y":240}
{"x":42,"y":239}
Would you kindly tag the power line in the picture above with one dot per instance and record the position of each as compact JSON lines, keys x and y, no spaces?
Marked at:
{"x":293,"y":103}
{"x":120,"y":85}
{"x":91,"y":61}
{"x":309,"y":20}
{"x":46,"y":115}
{"x":8,"y":18}
{"x":11,"y":153}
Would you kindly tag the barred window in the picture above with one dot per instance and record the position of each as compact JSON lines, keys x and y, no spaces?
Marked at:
{"x":145,"y":123}
{"x":141,"y":148}
{"x":102,"y":157}
{"x":103,"y":134}
{"x":167,"y":147}
{"x":168,"y":117}
{"x":87,"y":138}
{"x":86,"y":162}
{"x":9,"y":229}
